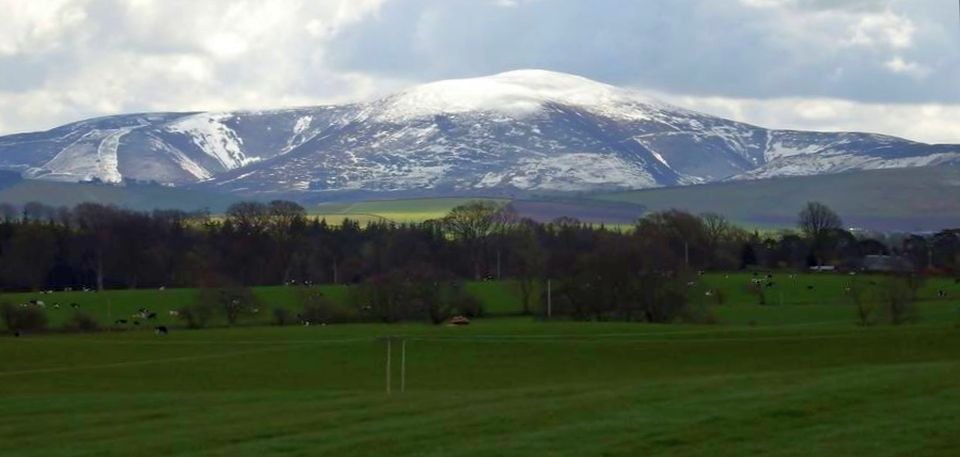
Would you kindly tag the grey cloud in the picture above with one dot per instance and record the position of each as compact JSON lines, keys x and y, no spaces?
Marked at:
{"x":687,"y":46}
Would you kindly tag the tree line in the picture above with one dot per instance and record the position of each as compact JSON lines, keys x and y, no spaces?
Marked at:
{"x":597,"y":272}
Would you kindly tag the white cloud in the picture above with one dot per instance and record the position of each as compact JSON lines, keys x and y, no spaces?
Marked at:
{"x":825,"y":64}
{"x":38,"y":26}
{"x":115,"y":56}
{"x":898,"y":65}
{"x":883,"y":29}
{"x":924,"y":122}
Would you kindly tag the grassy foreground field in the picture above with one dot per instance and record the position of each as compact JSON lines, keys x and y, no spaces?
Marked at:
{"x":798,"y":379}
{"x":508,"y":387}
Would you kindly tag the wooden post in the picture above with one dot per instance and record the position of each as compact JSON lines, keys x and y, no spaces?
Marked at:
{"x":388,"y":366}
{"x":403,"y":365}
{"x":549,"y":300}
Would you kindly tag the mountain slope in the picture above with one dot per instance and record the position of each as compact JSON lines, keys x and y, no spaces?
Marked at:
{"x":528,"y":131}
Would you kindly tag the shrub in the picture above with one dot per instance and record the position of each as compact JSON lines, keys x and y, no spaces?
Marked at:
{"x":899,"y":294}
{"x":23,"y":318}
{"x":81,"y":322}
{"x":197,"y":315}
{"x":461,"y":302}
{"x":281,"y":316}
{"x":232,"y":301}
{"x":318,"y":308}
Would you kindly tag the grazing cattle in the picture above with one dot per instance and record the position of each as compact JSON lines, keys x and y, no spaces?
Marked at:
{"x":162,"y":288}
{"x":74,"y":305}
{"x":151,"y":316}
{"x":56,"y":306}
{"x":769,"y":276}
{"x":691,"y":284}
{"x":941,"y":293}
{"x":120,"y":321}
{"x":769,"y":283}
{"x":136,"y":322}
{"x":161,"y":330}
{"x":173,"y":312}
{"x":809,"y":287}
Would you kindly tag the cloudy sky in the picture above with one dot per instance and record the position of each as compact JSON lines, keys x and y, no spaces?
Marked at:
{"x":890,"y":66}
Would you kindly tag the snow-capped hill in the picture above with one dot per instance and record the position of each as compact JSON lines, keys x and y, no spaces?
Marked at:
{"x":526,"y":130}
{"x":514,"y":94}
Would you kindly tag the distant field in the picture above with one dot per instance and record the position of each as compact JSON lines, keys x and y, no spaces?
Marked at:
{"x":142,"y":198}
{"x":409,"y":210}
{"x":904,"y":199}
{"x":498,"y":298}
{"x":825,"y":302}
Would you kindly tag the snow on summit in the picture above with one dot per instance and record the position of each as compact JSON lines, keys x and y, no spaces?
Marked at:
{"x":524,"y":130}
{"x":514,"y":93}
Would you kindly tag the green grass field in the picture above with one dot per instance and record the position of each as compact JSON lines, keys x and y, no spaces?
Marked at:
{"x":498,"y":298}
{"x":406,"y":210}
{"x":797,"y":379}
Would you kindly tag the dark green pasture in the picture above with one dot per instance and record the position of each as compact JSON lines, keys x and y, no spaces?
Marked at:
{"x":509,"y":387}
{"x":795,"y":377}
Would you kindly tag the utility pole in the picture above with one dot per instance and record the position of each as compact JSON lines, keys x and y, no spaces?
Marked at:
{"x":549,"y":301}
{"x":403,"y":365}
{"x":388,"y":366}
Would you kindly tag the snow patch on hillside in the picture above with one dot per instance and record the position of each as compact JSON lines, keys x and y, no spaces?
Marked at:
{"x":214,"y":138}
{"x":571,"y":172}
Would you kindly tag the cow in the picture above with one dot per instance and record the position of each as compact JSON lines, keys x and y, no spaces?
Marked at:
{"x":120,"y":321}
{"x":151,"y":316}
{"x":161,"y":330}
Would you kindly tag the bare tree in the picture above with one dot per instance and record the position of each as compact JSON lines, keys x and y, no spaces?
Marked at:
{"x":860,"y":298}
{"x":817,"y":220}
{"x":471,"y":224}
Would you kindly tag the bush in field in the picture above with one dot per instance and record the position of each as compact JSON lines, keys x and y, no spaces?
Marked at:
{"x":281,"y":316}
{"x":899,"y":293}
{"x":233,"y":302}
{"x":462,"y":302}
{"x":197,"y":314}
{"x":414,"y":293}
{"x":862,"y":302}
{"x":318,"y":308}
{"x":23,"y":318}
{"x":81,"y":322}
